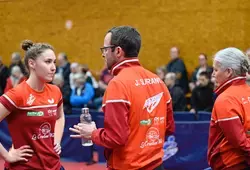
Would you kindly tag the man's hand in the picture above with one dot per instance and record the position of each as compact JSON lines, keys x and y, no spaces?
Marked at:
{"x":178,"y":75}
{"x":83,"y":130}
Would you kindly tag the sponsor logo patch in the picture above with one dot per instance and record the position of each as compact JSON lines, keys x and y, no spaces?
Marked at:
{"x":40,"y":113}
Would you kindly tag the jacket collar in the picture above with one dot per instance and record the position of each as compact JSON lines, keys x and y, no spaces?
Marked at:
{"x":123,"y":64}
{"x":225,"y":85}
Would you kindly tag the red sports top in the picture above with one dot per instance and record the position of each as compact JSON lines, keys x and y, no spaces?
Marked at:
{"x":32,"y":122}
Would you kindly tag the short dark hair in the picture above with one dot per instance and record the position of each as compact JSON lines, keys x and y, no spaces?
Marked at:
{"x":128,"y":38}
{"x":204,"y":73}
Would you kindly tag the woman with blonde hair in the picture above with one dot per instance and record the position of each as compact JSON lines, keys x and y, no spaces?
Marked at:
{"x":34,"y":113}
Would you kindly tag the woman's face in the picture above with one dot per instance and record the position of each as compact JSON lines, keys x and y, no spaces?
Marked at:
{"x":220,"y":74}
{"x":45,"y":66}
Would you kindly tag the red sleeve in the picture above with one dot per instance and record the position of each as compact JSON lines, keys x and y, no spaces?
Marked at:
{"x":59,"y":95}
{"x":116,"y":111}
{"x":60,"y":99}
{"x":170,"y":125}
{"x":230,"y":119}
{"x":235,"y":134}
{"x":60,"y":102}
{"x":9,"y":101}
{"x":116,"y":129}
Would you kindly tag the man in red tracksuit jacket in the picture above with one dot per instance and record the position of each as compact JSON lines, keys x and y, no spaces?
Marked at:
{"x":137,"y":107}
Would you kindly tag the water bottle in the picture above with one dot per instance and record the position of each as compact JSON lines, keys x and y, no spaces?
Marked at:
{"x":86,"y":118}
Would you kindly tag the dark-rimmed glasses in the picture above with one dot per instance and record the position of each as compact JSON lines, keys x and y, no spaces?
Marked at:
{"x":103,"y":49}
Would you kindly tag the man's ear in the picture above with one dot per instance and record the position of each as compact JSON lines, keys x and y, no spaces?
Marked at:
{"x":119,"y":52}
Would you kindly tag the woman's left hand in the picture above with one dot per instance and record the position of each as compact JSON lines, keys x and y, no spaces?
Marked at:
{"x":57,"y":148}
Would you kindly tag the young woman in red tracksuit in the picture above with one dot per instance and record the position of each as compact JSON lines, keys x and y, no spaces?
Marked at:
{"x":34,"y":113}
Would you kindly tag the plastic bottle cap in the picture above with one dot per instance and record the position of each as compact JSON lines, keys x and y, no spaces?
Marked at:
{"x":84,"y":110}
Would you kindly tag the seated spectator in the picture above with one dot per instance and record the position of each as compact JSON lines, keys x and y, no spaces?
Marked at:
{"x":89,"y":77}
{"x":203,"y":67}
{"x":202,"y":94}
{"x":73,"y":71}
{"x":83,"y":92}
{"x":176,"y":92}
{"x":4,"y":74}
{"x":66,"y":91}
{"x":15,"y":78}
{"x":16,"y":60}
{"x":161,"y":72}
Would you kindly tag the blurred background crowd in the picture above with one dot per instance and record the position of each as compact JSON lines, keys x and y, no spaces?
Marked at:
{"x":80,"y":86}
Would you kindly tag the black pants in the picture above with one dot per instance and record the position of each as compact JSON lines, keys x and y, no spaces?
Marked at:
{"x":62,"y":168}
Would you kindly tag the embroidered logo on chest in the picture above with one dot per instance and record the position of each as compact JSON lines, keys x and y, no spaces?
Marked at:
{"x":31,"y":99}
{"x":51,"y":101}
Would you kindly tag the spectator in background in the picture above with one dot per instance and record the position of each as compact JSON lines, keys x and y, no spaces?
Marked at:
{"x":177,"y":94}
{"x":83,"y":92}
{"x":66,"y":92}
{"x":105,"y":77}
{"x":161,"y":72}
{"x":16,"y":60}
{"x":73,"y":71}
{"x":15,"y":78}
{"x":63,"y":67}
{"x":89,"y":77}
{"x":203,"y":67}
{"x":4,"y":74}
{"x":177,"y":66}
{"x":202,"y":94}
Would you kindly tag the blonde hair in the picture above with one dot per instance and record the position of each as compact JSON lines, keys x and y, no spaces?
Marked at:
{"x":33,"y":50}
{"x":80,"y":77}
